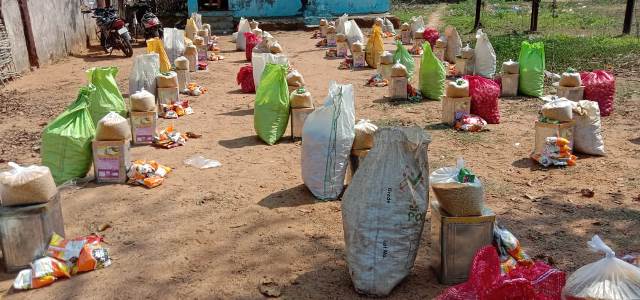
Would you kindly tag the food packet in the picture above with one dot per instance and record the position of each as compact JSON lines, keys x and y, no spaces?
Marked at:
{"x":510,"y":250}
{"x":609,"y":278}
{"x":82,"y":254}
{"x":44,"y":271}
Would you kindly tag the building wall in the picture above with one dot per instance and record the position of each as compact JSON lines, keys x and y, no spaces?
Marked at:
{"x":59,"y":29}
{"x":353,"y":7}
{"x":290,"y":8}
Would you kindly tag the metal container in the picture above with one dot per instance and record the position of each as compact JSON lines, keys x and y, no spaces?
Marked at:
{"x":455,"y":241}
{"x":25,"y":232}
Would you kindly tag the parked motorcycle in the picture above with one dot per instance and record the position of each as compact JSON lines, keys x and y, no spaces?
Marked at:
{"x":143,"y":20}
{"x":113,"y":31}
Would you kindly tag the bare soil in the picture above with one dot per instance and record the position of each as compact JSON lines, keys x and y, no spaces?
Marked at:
{"x":220,"y":233}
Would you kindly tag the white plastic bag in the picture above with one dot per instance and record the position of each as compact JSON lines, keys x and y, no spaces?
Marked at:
{"x":353,"y":33}
{"x":340,"y":26}
{"x":146,"y":68}
{"x":587,"y":136}
{"x":241,"y":41}
{"x":384,"y":209}
{"x":234,"y":37}
{"x":485,"y":56}
{"x":387,"y":27}
{"x":609,"y":278}
{"x":260,"y":61}
{"x":26,"y":185}
{"x":200,"y":162}
{"x":173,"y":43}
{"x":454,"y":44}
{"x":450,"y":174}
{"x":417,"y":24}
{"x":198,"y":19}
{"x":327,"y":137}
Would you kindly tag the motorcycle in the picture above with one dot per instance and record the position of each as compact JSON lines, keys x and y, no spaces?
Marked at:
{"x":152,"y":26}
{"x":113,"y":31}
{"x":140,"y":13}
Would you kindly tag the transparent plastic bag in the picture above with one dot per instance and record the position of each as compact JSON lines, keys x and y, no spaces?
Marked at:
{"x":146,"y":68}
{"x":609,"y":278}
{"x":173,"y":43}
{"x":243,"y":26}
{"x":26,"y":185}
{"x":458,"y":191}
{"x":200,"y":162}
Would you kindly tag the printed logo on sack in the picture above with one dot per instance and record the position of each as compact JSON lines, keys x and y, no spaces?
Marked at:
{"x":389,"y":195}
{"x":385,"y":248}
{"x":414,"y":215}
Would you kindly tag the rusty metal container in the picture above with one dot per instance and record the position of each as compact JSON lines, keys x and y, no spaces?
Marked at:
{"x":455,"y":241}
{"x":25,"y":232}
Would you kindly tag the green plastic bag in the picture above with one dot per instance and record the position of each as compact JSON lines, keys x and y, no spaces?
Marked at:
{"x":107,"y":96}
{"x":66,"y":141}
{"x":404,"y":58}
{"x":432,"y":74}
{"x":531,"y":69}
{"x":271,"y":112}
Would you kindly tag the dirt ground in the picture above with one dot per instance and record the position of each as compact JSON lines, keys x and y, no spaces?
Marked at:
{"x":217,"y":233}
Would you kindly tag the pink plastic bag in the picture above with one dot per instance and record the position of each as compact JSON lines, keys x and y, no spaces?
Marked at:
{"x":431,"y":35}
{"x":600,"y":86}
{"x":245,"y":79}
{"x":537,"y":282}
{"x":485,"y":98}
{"x":252,"y":40}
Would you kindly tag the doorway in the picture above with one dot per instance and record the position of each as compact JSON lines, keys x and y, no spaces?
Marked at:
{"x":213,"y":5}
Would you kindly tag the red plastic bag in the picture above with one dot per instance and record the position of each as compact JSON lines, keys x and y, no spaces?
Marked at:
{"x":600,"y":86}
{"x":485,"y":98}
{"x":431,"y":35}
{"x":245,"y":79}
{"x":252,"y":40}
{"x":537,"y":282}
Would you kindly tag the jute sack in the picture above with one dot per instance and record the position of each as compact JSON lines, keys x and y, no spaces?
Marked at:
{"x":512,"y":67}
{"x":26,"y":185}
{"x":143,"y":101}
{"x":570,"y":79}
{"x":386,"y":58}
{"x":182,"y":63}
{"x":399,"y":70}
{"x":113,"y":127}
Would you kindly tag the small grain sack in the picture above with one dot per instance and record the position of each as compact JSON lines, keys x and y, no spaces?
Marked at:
{"x":181,"y":63}
{"x":386,"y":58}
{"x":301,"y":98}
{"x":167,"y":80}
{"x":26,"y":185}
{"x":143,"y":101}
{"x":457,"y":89}
{"x":364,"y":135}
{"x":399,"y":70}
{"x":113,"y":127}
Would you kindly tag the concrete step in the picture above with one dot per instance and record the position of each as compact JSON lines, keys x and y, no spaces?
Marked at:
{"x":219,"y":24}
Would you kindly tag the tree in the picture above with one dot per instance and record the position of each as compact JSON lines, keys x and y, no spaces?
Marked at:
{"x":477,"y":24}
{"x":535,"y":8}
{"x":628,"y":17}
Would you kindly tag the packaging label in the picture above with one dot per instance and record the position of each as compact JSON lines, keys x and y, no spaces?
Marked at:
{"x":398,"y":88}
{"x":107,"y":162}
{"x":342,"y":49}
{"x":358,"y":60}
{"x":143,"y":127}
{"x":405,"y":37}
{"x":331,"y":40}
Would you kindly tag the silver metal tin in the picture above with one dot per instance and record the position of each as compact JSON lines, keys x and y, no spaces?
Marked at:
{"x":455,"y":241}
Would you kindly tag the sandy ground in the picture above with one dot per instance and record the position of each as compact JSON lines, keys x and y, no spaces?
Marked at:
{"x":217,"y":233}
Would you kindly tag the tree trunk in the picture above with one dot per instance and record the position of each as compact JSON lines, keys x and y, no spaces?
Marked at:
{"x":628,"y":17}
{"x":535,"y":7}
{"x":476,"y":24}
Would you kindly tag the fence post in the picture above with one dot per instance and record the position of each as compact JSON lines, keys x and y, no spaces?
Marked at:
{"x":28,"y":33}
{"x":535,"y":7}
{"x":628,"y":17}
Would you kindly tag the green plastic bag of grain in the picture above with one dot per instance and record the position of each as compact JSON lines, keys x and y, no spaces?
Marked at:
{"x":271,"y":112}
{"x":66,"y":141}
{"x":432,"y":74}
{"x":403,"y":57}
{"x":531,"y":69}
{"x":107,"y":96}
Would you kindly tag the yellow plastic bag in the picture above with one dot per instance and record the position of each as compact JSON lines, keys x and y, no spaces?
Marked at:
{"x":155,"y":45}
{"x":374,"y":48}
{"x":191,"y":29}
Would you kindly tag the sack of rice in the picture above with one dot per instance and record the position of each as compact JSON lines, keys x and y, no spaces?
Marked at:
{"x":512,"y":67}
{"x":26,"y":185}
{"x":357,"y":47}
{"x":113,"y":127}
{"x":441,"y":43}
{"x":301,"y":98}
{"x":570,"y":78}
{"x":275,"y":48}
{"x":331,"y":29}
{"x":207,"y":27}
{"x":167,"y":80}
{"x":457,"y":89}
{"x":386,"y":58}
{"x":364,"y":135}
{"x":257,"y":32}
{"x":559,"y":109}
{"x":323,"y":22}
{"x":143,"y":101}
{"x":467,"y":52}
{"x":294,"y":78}
{"x":253,"y":24}
{"x":340,"y":37}
{"x":203,"y":33}
{"x":458,"y":191}
{"x":405,"y":27}
{"x":419,"y":35}
{"x":181,"y":63}
{"x":399,"y":70}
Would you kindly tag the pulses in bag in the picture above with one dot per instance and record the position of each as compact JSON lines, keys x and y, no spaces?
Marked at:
{"x":106,"y":96}
{"x":532,"y":66}
{"x":327,"y":137}
{"x":432,"y":75}
{"x":272,"y":104}
{"x":384,"y":208}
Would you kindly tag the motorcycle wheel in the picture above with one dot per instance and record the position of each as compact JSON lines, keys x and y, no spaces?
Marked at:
{"x":127,"y":48}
